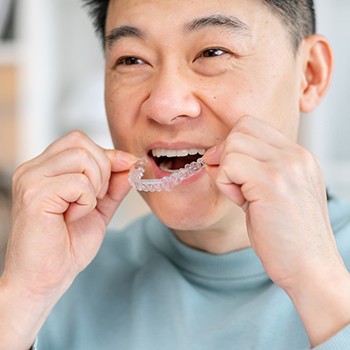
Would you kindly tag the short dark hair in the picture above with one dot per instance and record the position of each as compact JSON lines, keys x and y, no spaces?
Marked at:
{"x":297,"y":15}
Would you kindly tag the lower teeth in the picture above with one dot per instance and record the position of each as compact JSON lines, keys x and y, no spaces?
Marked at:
{"x":167,"y":166}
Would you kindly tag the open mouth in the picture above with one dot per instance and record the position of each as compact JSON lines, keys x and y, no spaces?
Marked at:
{"x":172,"y":160}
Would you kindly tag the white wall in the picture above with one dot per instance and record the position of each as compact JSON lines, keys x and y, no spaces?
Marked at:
{"x":327,"y":131}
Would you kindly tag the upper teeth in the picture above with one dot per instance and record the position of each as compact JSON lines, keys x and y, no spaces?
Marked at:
{"x":161,"y":152}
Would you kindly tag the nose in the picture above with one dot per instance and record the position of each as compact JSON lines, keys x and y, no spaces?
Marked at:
{"x":171,"y":98}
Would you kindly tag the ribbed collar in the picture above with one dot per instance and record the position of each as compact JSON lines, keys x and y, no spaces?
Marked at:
{"x":242,"y":264}
{"x":235,"y":265}
{"x":339,"y":210}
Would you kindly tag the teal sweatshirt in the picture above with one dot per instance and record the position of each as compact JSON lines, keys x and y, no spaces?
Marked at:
{"x":147,"y":291}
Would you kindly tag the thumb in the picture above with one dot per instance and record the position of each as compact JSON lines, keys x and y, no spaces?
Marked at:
{"x":212,"y":157}
{"x":120,"y":160}
{"x":119,"y":187}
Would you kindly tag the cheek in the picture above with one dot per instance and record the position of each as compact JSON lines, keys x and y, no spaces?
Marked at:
{"x":116,"y":121}
{"x":230,"y":104}
{"x":122,"y":111}
{"x":273,"y":98}
{"x":284,"y":110}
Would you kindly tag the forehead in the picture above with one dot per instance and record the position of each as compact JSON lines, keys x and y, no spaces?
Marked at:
{"x":160,"y":15}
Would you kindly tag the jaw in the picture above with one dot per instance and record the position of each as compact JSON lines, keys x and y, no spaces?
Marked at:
{"x":207,"y":221}
{"x":198,"y":205}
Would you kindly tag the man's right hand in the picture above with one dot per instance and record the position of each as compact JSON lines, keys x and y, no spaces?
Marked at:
{"x":62,"y":203}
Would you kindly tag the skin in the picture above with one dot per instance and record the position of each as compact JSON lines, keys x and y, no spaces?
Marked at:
{"x":163,"y":90}
{"x":173,"y":83}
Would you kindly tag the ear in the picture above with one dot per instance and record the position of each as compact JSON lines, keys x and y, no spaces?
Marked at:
{"x":317,"y":71}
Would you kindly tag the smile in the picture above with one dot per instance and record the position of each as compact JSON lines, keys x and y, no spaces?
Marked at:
{"x":172,"y":160}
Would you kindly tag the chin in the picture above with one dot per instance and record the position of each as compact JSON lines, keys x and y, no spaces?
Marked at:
{"x":186,"y":209}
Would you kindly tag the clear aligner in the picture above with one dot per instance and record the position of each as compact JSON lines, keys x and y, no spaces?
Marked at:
{"x":166,"y":183}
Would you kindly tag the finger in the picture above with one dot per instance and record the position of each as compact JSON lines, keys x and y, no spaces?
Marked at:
{"x":238,"y":142}
{"x":75,"y":140}
{"x":243,"y":172}
{"x":262,"y":130}
{"x":242,"y":143}
{"x":213,"y":155}
{"x":226,"y":186}
{"x":120,"y":161}
{"x":73,"y":161}
{"x":68,"y":194}
{"x":119,"y":187}
{"x":84,"y":203}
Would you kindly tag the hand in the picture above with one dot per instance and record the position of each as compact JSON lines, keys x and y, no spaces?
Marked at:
{"x":280,"y":187}
{"x":62,"y":203}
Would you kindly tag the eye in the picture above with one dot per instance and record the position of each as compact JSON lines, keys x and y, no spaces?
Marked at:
{"x":212,"y":52}
{"x":129,"y":61}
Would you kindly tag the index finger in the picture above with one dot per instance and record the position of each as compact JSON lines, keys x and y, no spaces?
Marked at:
{"x":262,"y":130}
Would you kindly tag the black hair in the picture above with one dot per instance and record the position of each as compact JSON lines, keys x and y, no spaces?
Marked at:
{"x":297,"y":15}
{"x":97,"y":10}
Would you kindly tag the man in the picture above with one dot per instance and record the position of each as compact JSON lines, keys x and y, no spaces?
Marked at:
{"x":242,"y":255}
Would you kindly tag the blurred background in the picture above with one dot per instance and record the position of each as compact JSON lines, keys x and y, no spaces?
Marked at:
{"x":51,"y":81}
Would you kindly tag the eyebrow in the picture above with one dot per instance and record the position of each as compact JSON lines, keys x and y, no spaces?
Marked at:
{"x":222,"y":21}
{"x":122,"y":32}
{"x":218,"y":20}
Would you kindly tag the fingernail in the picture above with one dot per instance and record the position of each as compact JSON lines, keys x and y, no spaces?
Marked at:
{"x":126,"y":157}
{"x":210,"y":152}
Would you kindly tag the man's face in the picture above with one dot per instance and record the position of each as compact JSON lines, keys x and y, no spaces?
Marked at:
{"x":180,"y":74}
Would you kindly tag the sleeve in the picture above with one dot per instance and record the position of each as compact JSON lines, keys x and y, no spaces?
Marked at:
{"x":341,"y":341}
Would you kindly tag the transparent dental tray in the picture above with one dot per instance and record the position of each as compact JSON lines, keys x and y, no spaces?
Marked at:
{"x":166,"y":183}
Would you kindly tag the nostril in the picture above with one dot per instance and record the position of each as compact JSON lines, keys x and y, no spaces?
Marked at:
{"x":168,"y":105}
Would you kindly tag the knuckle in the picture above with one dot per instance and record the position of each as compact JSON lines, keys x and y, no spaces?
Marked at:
{"x":85,"y":183}
{"x":87,"y":189}
{"x":301,"y":159}
{"x":20,"y":181}
{"x":20,"y":171}
{"x":238,"y":139}
{"x":234,"y":142}
{"x":82,"y":154}
{"x":277,"y":177}
{"x":28,"y":194}
{"x":244,"y":122}
{"x":80,"y":158}
{"x":278,"y":183}
{"x":302,"y":153}
{"x":76,"y":138}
